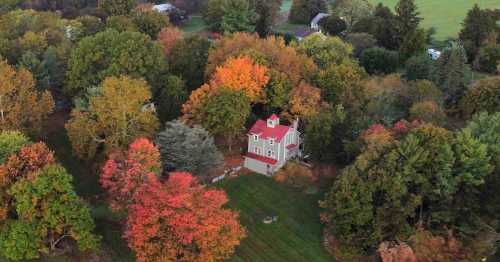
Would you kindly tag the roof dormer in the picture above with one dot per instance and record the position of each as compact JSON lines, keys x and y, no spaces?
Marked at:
{"x":273,"y":121}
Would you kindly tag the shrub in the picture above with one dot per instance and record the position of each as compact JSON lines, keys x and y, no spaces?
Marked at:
{"x":295,"y":175}
{"x":489,"y":57}
{"x":428,"y":111}
{"x":483,"y":96}
{"x":379,"y":60}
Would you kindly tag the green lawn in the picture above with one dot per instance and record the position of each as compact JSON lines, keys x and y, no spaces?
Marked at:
{"x":286,"y":6}
{"x":195,"y":24}
{"x":296,"y":236}
{"x":445,"y":15}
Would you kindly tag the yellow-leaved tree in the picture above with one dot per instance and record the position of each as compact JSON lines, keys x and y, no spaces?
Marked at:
{"x":113,"y":117}
{"x":22,"y":107}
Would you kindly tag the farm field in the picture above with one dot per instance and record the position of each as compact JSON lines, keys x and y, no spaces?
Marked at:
{"x":296,"y":236}
{"x":445,"y":15}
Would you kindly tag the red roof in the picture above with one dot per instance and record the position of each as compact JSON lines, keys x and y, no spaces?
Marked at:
{"x":260,"y":128}
{"x":264,"y":159}
{"x":273,"y":117}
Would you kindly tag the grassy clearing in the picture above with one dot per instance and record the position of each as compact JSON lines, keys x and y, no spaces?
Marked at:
{"x":445,"y":15}
{"x":296,"y":236}
{"x":194,"y":25}
{"x":286,"y":6}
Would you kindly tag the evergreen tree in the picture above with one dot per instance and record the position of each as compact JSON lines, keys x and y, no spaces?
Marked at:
{"x":407,"y":18}
{"x":303,"y":11}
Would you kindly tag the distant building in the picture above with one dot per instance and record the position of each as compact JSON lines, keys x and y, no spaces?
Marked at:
{"x":164,"y":8}
{"x":271,"y":145}
{"x":175,"y":14}
{"x":315,"y":22}
{"x":433,"y":53}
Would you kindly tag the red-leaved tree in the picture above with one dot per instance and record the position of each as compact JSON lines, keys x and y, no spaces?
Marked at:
{"x":124,"y":172}
{"x":181,"y":220}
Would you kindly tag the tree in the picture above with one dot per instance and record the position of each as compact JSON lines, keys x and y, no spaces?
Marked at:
{"x":168,"y":37}
{"x":407,"y":18}
{"x":116,"y":7}
{"x":427,"y":111}
{"x":271,"y":51}
{"x":303,"y":11}
{"x":360,"y":42}
{"x":318,"y":135}
{"x":476,"y":28}
{"x":414,"y":43}
{"x":483,"y":96}
{"x":188,"y":149}
{"x":10,"y":143}
{"x":225,"y":113}
{"x":239,"y":16}
{"x":379,"y":60}
{"x":213,"y":14}
{"x":325,"y":50}
{"x":338,"y":82}
{"x":453,"y":74}
{"x":268,"y":12}
{"x":304,"y":102}
{"x":22,"y":107}
{"x":121,"y":23}
{"x":333,"y":25}
{"x":181,"y":220}
{"x":489,"y":58}
{"x":124,"y":172}
{"x":425,"y":90}
{"x":420,"y":67}
{"x":242,"y":74}
{"x":382,"y":25}
{"x":114,"y":118}
{"x":352,"y":10}
{"x":115,"y":54}
{"x":170,"y":98}
{"x":277,"y":91}
{"x":46,"y":203}
{"x":188,"y":59}
{"x":150,"y":22}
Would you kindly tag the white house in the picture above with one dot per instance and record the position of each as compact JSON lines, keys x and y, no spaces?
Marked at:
{"x":433,"y":53}
{"x":271,"y":145}
{"x":164,"y":8}
{"x":315,"y":21}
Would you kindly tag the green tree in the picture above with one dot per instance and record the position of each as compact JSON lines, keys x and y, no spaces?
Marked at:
{"x":10,"y":143}
{"x":188,"y":59}
{"x":225,"y":113}
{"x":326,"y":50}
{"x":407,"y":18}
{"x":379,"y":60}
{"x":360,"y":42}
{"x":340,"y":83}
{"x":277,"y":91}
{"x":420,"y":67}
{"x":414,"y":43}
{"x":476,"y":28}
{"x":489,"y":58}
{"x":333,"y":25}
{"x":239,"y":16}
{"x":319,"y":133}
{"x":150,"y":22}
{"x":352,"y":11}
{"x":48,"y":211}
{"x":117,"y":115}
{"x":268,"y":12}
{"x":188,"y":149}
{"x":170,"y":97}
{"x":121,"y":23}
{"x":303,"y":11}
{"x":113,"y":54}
{"x":116,"y":7}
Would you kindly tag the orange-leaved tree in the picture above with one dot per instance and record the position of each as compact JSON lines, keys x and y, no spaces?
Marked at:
{"x":181,"y":220}
{"x":168,"y":37}
{"x":124,"y":172}
{"x":304,"y":102}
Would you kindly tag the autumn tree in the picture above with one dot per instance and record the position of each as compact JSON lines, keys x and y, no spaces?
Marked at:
{"x":168,"y":37}
{"x":476,"y":28}
{"x":188,"y":59}
{"x":39,"y":206}
{"x":22,"y":107}
{"x":125,"y":172}
{"x":326,"y":50}
{"x":484,"y":95}
{"x":10,"y":143}
{"x":181,"y":220}
{"x":188,"y":149}
{"x":352,"y":11}
{"x":115,"y":53}
{"x":304,"y":102}
{"x":271,"y":52}
{"x":114,"y":117}
{"x":150,"y":22}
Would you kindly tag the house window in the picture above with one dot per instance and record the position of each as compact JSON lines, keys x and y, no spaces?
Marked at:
{"x":271,"y":141}
{"x":270,"y":153}
{"x":255,"y":137}
{"x":257,"y":150}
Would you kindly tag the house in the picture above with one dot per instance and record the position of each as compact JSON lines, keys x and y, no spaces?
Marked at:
{"x":315,"y":22}
{"x":271,"y":145}
{"x":175,"y":14}
{"x":164,"y":8}
{"x":433,"y":53}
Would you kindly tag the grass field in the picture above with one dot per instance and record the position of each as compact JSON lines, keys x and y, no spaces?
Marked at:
{"x":296,"y":236}
{"x":445,"y":15}
{"x":194,"y":25}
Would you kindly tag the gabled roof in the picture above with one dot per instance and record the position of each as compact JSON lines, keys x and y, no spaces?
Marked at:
{"x":273,"y":117}
{"x":260,"y":158}
{"x":318,"y":17}
{"x":260,"y":128}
